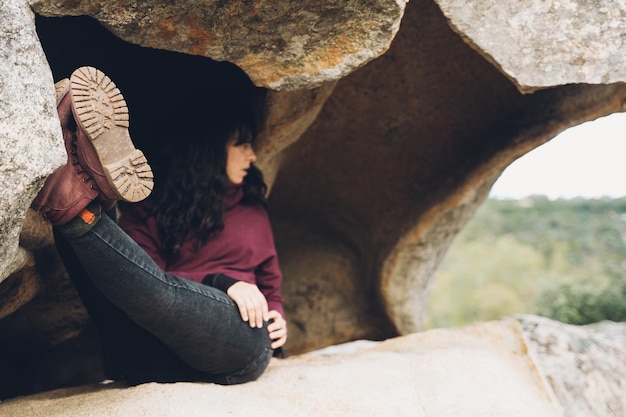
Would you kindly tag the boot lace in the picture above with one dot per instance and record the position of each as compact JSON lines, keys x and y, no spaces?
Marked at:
{"x":79,"y":169}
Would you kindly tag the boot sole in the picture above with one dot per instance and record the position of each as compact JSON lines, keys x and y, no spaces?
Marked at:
{"x":61,"y":88}
{"x":101,"y":112}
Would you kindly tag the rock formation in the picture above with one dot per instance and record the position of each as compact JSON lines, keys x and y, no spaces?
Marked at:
{"x":400,"y":156}
{"x":500,"y":368}
{"x":545,"y":45}
{"x":387,"y":124}
{"x":31,"y":140}
{"x":280,"y":45}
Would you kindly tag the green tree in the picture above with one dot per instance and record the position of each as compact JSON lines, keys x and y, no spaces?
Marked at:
{"x":485,"y":280}
{"x":564,"y":259}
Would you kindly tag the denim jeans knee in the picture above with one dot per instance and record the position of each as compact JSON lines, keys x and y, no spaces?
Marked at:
{"x":252,"y":371}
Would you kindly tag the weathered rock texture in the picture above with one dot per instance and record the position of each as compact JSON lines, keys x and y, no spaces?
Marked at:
{"x":280,"y":45}
{"x":373,"y":171}
{"x":31,"y":145}
{"x":585,"y":366}
{"x":483,"y":370}
{"x":548,"y":43}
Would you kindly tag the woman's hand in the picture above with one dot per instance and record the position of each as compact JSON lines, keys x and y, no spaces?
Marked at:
{"x":277,"y":329}
{"x":251,"y":302}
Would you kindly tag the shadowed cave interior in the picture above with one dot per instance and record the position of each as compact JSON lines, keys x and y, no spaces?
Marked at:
{"x":163,"y":89}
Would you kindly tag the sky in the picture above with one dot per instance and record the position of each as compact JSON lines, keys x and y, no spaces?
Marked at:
{"x":588,"y":160}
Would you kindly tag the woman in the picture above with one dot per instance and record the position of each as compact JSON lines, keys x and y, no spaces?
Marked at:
{"x":191,"y":290}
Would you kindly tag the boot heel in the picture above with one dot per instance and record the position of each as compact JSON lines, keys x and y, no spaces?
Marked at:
{"x":131,"y":178}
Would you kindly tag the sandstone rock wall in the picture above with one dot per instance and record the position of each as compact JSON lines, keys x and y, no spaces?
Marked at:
{"x":402,"y":153}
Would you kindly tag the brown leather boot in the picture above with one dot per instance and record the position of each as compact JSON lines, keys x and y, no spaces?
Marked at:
{"x":69,"y":189}
{"x":104,"y":147}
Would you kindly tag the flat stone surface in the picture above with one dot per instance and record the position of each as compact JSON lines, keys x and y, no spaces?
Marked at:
{"x":476,"y":371}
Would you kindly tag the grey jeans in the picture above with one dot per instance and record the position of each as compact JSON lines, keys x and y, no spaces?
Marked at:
{"x":169,"y":328}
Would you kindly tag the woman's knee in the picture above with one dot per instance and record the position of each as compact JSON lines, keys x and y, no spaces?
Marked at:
{"x":252,"y":371}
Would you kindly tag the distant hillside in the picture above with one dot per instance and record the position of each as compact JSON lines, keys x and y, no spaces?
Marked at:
{"x":564,"y":259}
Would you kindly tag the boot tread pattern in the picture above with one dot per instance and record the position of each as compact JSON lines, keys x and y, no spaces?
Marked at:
{"x":102,"y":113}
{"x":132,"y":178}
{"x":98,"y":102}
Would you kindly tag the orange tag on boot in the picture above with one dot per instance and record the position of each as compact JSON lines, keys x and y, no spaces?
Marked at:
{"x":87,"y":216}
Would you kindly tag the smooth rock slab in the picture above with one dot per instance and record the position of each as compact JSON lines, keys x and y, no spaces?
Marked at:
{"x":477,"y":371}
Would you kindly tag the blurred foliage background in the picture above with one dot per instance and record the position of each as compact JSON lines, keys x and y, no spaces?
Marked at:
{"x":564,"y":259}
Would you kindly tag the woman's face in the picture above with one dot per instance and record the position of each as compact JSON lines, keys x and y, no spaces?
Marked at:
{"x":238,"y":160}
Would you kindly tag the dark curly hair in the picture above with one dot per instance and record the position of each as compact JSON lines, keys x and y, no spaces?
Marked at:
{"x":190,"y":161}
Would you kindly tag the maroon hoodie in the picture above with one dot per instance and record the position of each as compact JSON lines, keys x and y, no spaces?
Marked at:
{"x":243,"y":250}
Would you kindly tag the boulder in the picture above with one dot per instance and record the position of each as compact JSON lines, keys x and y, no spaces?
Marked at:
{"x":30,"y":135}
{"x":544,"y":44}
{"x":585,"y":366}
{"x":280,"y":45}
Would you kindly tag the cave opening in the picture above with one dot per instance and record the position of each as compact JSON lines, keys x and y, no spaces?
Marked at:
{"x":163,"y":89}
